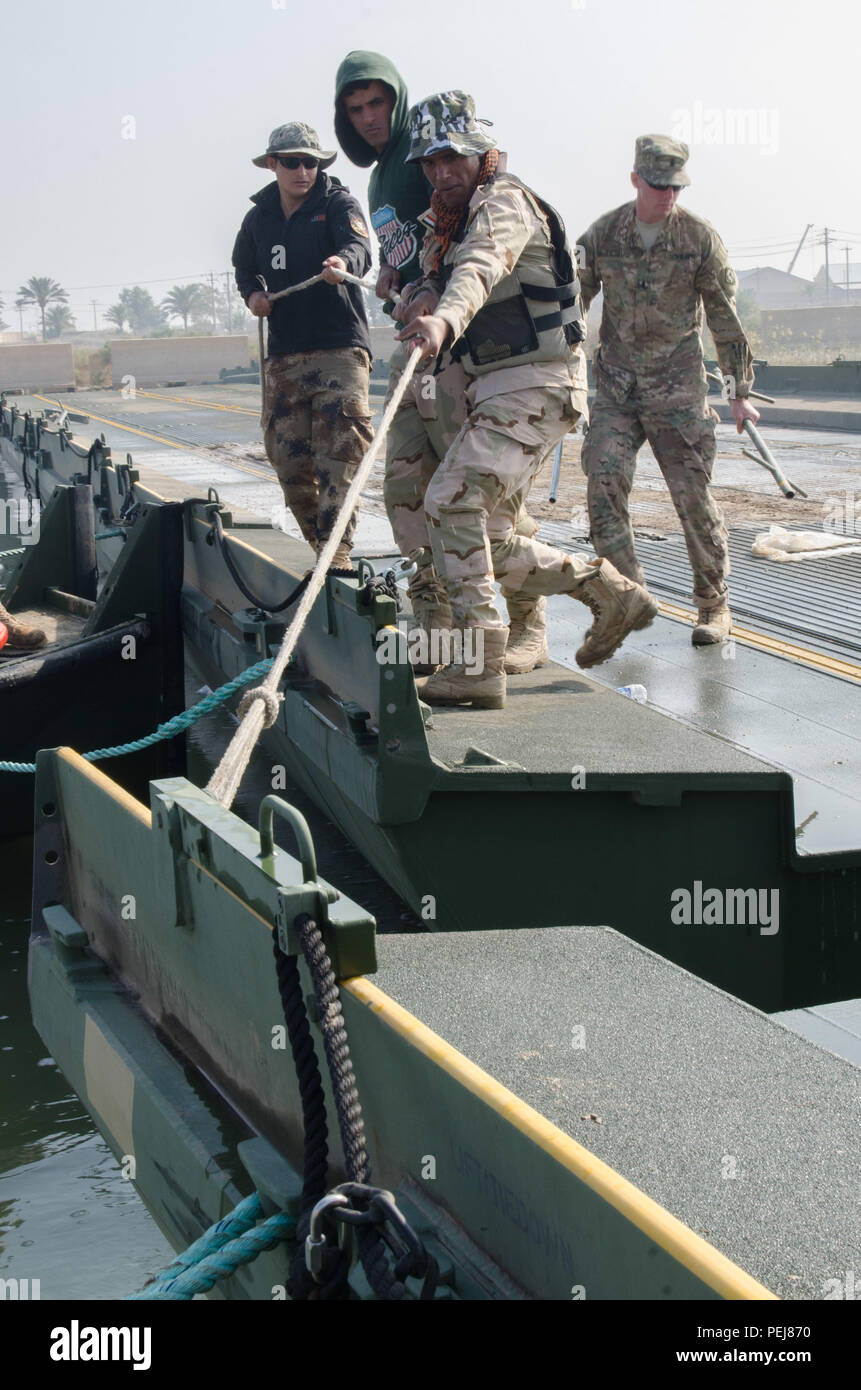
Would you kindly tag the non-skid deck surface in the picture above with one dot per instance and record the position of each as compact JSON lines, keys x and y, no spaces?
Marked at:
{"x":817,"y":600}
{"x":748,"y":1133}
{"x":59,"y":628}
{"x":555,"y":720}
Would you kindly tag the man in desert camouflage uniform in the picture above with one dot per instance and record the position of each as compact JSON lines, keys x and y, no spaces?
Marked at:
{"x":660,"y":267}
{"x":509,"y":307}
{"x":372,"y":126}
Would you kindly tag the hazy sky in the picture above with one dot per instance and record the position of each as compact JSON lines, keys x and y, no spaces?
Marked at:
{"x":569,"y":85}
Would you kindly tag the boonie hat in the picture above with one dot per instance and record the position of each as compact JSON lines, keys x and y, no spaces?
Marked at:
{"x":296,"y":138}
{"x":447,"y":121}
{"x":661,"y":161}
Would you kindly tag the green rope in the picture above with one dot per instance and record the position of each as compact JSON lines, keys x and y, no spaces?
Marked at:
{"x":219,"y":1252}
{"x":174,"y":726}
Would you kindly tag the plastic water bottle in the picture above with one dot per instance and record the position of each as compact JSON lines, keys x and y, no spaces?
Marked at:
{"x":634,"y":692}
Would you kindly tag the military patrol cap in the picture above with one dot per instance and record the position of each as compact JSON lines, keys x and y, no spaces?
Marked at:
{"x":447,"y":121}
{"x":296,"y":138}
{"x":661,"y":161}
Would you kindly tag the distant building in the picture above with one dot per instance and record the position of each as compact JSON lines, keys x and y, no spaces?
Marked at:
{"x":775,"y":289}
{"x":836,"y":289}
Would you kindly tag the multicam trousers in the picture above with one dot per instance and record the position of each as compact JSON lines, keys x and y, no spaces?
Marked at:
{"x":683,"y":442}
{"x":472,"y":505}
{"x":431,"y":415}
{"x":318,"y":427}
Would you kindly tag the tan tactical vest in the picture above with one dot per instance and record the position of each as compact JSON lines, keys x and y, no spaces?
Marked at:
{"x":534,"y":314}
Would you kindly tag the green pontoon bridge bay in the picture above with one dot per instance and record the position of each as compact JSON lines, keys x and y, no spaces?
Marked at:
{"x":565,"y":1075}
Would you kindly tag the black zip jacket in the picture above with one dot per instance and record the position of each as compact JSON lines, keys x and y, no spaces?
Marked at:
{"x":329,"y":223}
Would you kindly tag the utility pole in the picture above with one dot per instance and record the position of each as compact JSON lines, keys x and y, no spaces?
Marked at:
{"x":846,"y":249}
{"x":20,"y":309}
{"x":212,"y":288}
{"x":827,"y":271}
{"x":227,"y":293}
{"x":95,"y":306}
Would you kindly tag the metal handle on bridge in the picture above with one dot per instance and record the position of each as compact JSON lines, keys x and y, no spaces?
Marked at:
{"x":299,"y":825}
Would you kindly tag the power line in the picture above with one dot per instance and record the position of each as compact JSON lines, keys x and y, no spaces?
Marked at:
{"x":117,"y":284}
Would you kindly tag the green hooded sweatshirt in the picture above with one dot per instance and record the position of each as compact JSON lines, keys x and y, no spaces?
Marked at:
{"x":398,"y":192}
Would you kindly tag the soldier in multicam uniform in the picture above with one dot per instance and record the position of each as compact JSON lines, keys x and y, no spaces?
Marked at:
{"x":660,"y":266}
{"x":372,"y":126}
{"x":509,"y":307}
{"x":317,"y":414}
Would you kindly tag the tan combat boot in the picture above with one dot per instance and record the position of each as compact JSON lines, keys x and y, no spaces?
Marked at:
{"x":21,"y":637}
{"x":620,"y":606}
{"x":527,"y":641}
{"x":715,"y":623}
{"x":460,"y":685}
{"x":432,"y":613}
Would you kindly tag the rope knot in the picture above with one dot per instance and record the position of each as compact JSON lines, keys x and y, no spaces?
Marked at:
{"x":271,"y":700}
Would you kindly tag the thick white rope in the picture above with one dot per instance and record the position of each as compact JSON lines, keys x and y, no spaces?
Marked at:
{"x":261,"y":703}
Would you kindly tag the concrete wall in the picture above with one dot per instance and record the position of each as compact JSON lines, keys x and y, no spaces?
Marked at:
{"x":836,"y":327}
{"x":37,"y":366}
{"x":156,"y":361}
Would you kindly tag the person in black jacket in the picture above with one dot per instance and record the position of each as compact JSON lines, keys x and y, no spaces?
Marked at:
{"x":317,"y":417}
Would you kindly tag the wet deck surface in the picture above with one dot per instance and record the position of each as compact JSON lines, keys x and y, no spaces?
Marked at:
{"x":554,"y":720}
{"x":746,"y":1132}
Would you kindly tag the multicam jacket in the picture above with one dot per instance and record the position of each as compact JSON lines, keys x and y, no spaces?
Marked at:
{"x":654,"y":303}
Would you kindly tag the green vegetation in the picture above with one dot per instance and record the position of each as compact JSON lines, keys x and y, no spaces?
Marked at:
{"x":186,"y":301}
{"x":41,"y":290}
{"x":59,"y":320}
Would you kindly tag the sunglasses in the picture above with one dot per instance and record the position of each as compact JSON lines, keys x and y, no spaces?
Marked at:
{"x":660,"y":187}
{"x":292,"y":162}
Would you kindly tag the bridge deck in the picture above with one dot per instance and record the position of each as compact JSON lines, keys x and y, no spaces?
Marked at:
{"x":748,"y":1133}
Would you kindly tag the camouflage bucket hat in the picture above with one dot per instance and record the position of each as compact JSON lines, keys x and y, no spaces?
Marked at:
{"x":661,"y":161}
{"x":447,"y":121}
{"x":299,"y":139}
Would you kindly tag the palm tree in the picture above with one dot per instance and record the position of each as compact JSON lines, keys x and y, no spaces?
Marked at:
{"x":184,"y":300}
{"x":2,"y":324}
{"x":41,"y":290}
{"x":118,"y":314}
{"x":59,"y":320}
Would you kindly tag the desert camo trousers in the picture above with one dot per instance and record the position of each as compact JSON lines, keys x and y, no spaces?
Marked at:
{"x":318,"y":427}
{"x":431,"y":415}
{"x":472,"y":505}
{"x":683,"y":443}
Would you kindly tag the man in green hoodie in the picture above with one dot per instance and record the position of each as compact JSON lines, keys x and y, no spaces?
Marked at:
{"x":371,"y":123}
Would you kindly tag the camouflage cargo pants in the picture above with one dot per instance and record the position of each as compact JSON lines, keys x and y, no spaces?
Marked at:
{"x":472,"y":505}
{"x":431,"y":415}
{"x":683,"y":442}
{"x":318,"y":427}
